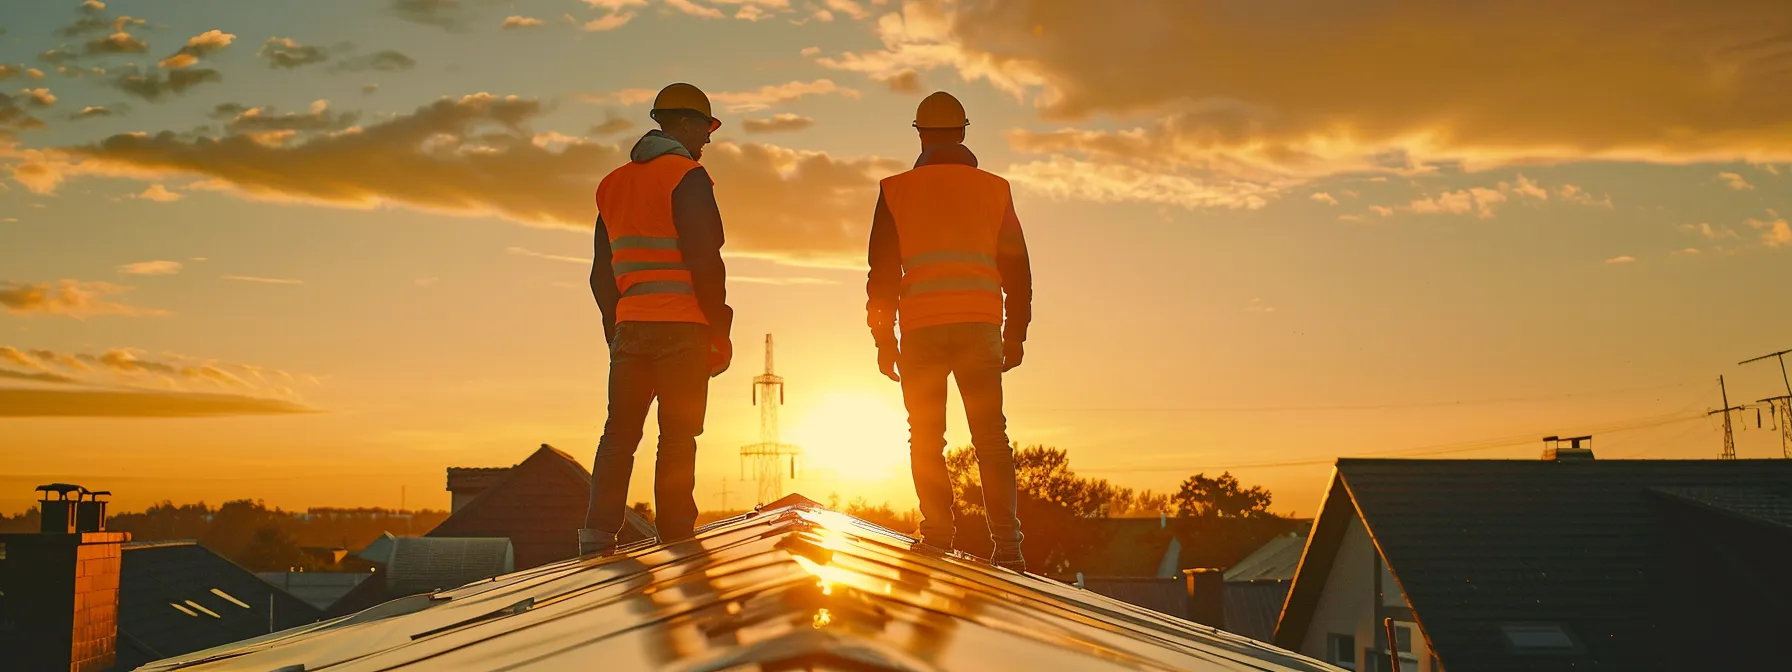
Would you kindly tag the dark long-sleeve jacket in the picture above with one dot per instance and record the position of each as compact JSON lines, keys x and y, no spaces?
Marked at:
{"x":699,"y":224}
{"x":883,"y":284}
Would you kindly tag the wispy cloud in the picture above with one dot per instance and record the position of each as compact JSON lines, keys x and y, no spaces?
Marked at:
{"x":767,"y":96}
{"x":781,"y":123}
{"x":1735,"y":181}
{"x":789,"y":280}
{"x":284,"y":52}
{"x":71,"y":298}
{"x":128,"y":382}
{"x":261,"y":280}
{"x":1775,"y":232}
{"x":473,"y":156}
{"x":1258,"y":306}
{"x":1626,"y":259}
{"x":1325,"y":198}
{"x":525,"y":252}
{"x":425,"y":282}
{"x":159,"y":194}
{"x":37,"y":403}
{"x":151,"y":268}
{"x":517,"y":22}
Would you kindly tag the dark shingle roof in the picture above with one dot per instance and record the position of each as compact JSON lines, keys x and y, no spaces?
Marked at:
{"x":1476,"y":544}
{"x":1769,"y":506}
{"x":540,"y":506}
{"x":176,"y":597}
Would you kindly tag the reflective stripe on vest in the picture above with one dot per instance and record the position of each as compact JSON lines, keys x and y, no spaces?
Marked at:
{"x":948,"y":219}
{"x":635,"y":201}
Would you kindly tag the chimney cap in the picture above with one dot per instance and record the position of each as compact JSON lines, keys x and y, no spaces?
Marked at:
{"x":62,"y":490}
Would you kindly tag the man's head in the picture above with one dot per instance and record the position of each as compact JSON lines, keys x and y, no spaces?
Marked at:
{"x":940,"y":119}
{"x":683,"y":113}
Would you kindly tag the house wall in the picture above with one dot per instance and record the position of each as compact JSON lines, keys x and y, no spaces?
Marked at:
{"x":1359,"y":592}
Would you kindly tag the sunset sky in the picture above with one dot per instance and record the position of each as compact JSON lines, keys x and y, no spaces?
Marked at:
{"x":354,"y":236}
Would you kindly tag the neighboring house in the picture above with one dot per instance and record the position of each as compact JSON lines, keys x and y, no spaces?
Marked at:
{"x":1566,"y":563}
{"x":539,"y":505}
{"x":177,"y":597}
{"x":420,"y":565}
{"x":1256,"y":587}
{"x":318,"y":589}
{"x":1147,"y":562}
{"x":789,"y":587}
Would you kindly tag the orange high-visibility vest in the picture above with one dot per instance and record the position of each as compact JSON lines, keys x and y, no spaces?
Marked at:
{"x":635,"y":202}
{"x":947,"y":221}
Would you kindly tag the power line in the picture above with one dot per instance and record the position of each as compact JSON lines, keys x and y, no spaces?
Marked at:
{"x":1437,"y":449}
{"x":1361,"y":407}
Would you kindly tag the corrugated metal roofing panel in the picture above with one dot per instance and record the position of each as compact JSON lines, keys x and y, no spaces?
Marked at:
{"x":791,"y":585}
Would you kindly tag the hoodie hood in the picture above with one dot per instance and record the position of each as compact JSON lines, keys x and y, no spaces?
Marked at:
{"x":938,"y":155}
{"x":656,"y":144}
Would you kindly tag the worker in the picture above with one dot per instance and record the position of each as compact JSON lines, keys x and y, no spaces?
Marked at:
{"x":947,"y":260}
{"x":658,"y":277}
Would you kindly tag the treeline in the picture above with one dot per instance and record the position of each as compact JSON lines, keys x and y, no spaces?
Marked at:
{"x":253,"y":534}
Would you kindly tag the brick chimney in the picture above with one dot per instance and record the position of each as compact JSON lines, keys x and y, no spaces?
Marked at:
{"x":465,"y":483}
{"x":1554,"y":451}
{"x":61,"y":585}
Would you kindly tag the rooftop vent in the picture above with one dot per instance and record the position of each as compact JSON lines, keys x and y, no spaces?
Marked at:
{"x":1554,"y":451}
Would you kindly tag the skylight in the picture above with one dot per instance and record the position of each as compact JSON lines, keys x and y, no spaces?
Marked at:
{"x":182,"y":609}
{"x":1538,"y":637}
{"x":227,"y":596}
{"x":201,"y":607}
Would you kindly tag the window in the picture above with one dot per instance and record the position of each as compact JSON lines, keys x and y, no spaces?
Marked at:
{"x":1340,"y":650}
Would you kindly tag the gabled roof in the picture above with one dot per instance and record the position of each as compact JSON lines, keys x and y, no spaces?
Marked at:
{"x":789,"y":587}
{"x":1480,"y":547}
{"x":540,"y":506}
{"x":175,"y":597}
{"x":1275,"y":560}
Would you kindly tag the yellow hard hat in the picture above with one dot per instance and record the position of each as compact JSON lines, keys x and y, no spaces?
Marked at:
{"x":682,"y":96}
{"x":940,"y":110}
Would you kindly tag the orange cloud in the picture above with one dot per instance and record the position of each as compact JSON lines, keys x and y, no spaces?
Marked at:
{"x":475,"y":156}
{"x":73,"y":298}
{"x":284,"y":52}
{"x":197,"y":47}
{"x":151,"y":268}
{"x":262,"y":281}
{"x":1735,"y":181}
{"x":1280,"y":98}
{"x":780,"y":123}
{"x":39,"y":403}
{"x":116,"y":43}
{"x":159,"y":194}
{"x":1775,"y":232}
{"x":770,"y":95}
{"x":515,"y":22}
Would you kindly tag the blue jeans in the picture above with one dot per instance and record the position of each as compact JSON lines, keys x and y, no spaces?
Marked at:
{"x":972,"y":354}
{"x":670,"y":361}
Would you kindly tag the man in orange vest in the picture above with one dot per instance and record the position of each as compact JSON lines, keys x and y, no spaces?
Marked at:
{"x":658,"y":277}
{"x":945,"y":248}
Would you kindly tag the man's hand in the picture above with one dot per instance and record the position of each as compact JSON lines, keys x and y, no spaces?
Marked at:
{"x":886,"y":362}
{"x":721,"y":353}
{"x":1012,"y":352}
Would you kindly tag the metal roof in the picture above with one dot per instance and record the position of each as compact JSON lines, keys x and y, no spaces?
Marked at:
{"x":792,"y":586}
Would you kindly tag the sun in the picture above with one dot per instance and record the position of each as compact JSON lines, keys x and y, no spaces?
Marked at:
{"x":852,"y":436}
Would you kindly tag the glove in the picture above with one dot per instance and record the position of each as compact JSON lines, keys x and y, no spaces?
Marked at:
{"x":721,"y":353}
{"x":1012,"y":352}
{"x":886,"y":362}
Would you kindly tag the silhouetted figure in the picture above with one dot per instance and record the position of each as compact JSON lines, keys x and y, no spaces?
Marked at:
{"x":658,"y":277}
{"x":945,"y":247}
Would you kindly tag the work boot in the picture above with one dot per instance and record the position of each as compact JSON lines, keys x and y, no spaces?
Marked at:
{"x":1009,"y":558}
{"x":927,"y":549}
{"x":594,"y":542}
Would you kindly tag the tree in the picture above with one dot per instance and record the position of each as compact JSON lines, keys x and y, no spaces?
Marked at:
{"x":1054,"y":505}
{"x":1222,"y":497}
{"x":645,"y":509}
{"x":882,"y":514}
{"x":272,"y":549}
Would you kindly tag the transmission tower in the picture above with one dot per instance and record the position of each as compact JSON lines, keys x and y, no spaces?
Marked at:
{"x":1729,"y":437}
{"x":1780,"y":406}
{"x":768,"y":456}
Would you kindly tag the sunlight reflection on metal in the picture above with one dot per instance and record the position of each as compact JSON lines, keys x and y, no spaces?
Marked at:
{"x":790,"y":586}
